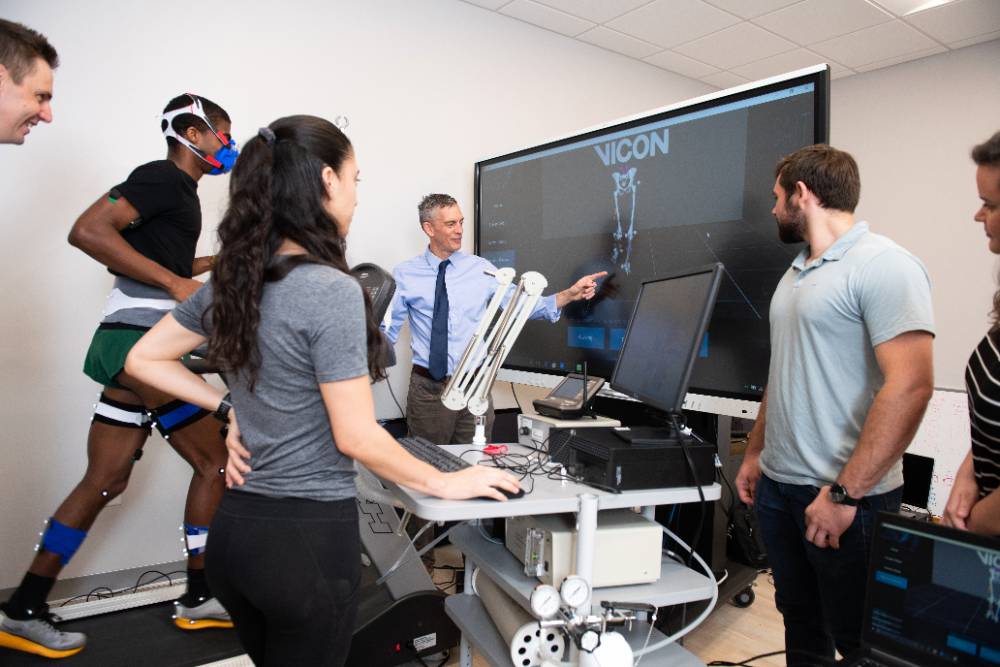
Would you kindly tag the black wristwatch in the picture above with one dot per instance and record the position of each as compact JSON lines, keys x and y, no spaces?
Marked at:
{"x":838,"y":494}
{"x":222,"y":412}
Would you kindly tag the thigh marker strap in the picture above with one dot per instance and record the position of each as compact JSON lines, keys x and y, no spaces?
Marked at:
{"x":116,"y":413}
{"x":176,"y":415}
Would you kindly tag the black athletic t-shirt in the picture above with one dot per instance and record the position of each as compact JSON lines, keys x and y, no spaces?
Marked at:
{"x":170,"y":223}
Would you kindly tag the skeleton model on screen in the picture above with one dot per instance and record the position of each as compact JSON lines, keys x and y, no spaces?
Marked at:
{"x":624,"y":196}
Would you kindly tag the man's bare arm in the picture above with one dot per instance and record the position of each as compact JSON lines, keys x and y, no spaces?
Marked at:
{"x":906,"y":362}
{"x":97,"y":232}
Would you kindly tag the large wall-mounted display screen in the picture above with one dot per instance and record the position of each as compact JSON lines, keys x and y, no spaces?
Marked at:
{"x":680,"y":188}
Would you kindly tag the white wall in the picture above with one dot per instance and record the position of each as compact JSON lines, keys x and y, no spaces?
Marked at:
{"x":430,"y":86}
{"x":911,"y":128}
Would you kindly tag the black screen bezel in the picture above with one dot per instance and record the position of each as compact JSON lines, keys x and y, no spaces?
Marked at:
{"x":821,"y":113}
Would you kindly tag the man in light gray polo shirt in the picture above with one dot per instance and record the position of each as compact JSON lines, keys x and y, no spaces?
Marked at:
{"x":849,"y":379}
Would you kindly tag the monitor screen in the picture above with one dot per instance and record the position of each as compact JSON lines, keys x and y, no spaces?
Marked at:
{"x":664,"y":336}
{"x":679,"y":188}
{"x":933,"y":594}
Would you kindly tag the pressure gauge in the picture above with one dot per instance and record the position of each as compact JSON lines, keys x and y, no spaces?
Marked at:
{"x":545,"y":601}
{"x":575,"y":591}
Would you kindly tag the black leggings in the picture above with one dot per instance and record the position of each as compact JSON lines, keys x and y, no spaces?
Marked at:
{"x":287,"y":570}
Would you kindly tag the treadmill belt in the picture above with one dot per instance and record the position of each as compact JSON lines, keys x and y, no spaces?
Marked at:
{"x":143,"y":636}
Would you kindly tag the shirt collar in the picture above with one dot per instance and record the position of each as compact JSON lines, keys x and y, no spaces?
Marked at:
{"x":434,"y":261}
{"x":837,"y":250}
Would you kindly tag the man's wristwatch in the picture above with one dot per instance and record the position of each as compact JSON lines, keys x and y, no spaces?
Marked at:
{"x":222,"y":412}
{"x":838,"y":494}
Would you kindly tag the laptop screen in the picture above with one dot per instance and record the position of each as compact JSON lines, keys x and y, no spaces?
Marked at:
{"x":933,"y":594}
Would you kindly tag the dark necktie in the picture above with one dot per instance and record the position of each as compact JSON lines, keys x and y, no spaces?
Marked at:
{"x":438,"y":361}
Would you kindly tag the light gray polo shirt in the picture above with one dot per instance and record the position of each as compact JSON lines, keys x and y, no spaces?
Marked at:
{"x":826,"y":319}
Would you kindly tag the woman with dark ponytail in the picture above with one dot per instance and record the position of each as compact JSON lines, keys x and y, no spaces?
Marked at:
{"x":295,"y":333}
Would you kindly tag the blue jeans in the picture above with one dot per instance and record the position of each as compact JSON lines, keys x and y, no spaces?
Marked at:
{"x":819,"y":592}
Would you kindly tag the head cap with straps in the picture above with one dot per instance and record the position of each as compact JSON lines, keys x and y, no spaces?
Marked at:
{"x":222,"y":160}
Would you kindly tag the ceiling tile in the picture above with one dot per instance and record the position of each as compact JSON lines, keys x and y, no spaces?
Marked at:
{"x":814,"y":21}
{"x":672,"y":22}
{"x":843,"y":73}
{"x":488,"y":4}
{"x":958,"y":21}
{"x":724,"y":80}
{"x":736,"y":45}
{"x":675,"y":62}
{"x":903,"y":7}
{"x":889,"y":62}
{"x":598,"y":11}
{"x":881,"y":42}
{"x":979,"y":39}
{"x":785,"y":62}
{"x":546,"y":17}
{"x":750,"y":8}
{"x":615,"y":41}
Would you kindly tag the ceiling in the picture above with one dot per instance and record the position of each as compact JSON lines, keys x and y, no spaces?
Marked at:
{"x":726,"y":43}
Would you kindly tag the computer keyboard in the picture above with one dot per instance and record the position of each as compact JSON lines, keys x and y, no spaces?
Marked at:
{"x":440,"y":458}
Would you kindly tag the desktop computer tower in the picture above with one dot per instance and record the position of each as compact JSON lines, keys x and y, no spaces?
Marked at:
{"x":601,"y":457}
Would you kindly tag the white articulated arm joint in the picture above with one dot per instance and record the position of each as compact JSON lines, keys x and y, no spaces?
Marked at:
{"x":473,"y":379}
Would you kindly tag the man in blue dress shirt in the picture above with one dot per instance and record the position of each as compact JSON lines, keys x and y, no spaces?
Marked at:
{"x":444,"y":292}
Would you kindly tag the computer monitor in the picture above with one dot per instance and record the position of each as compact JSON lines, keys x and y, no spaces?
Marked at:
{"x":933,"y":594}
{"x":665,"y":335}
{"x":645,"y":196}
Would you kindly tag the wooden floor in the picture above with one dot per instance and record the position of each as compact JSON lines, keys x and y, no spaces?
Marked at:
{"x":734,"y":634}
{"x":729,"y":633}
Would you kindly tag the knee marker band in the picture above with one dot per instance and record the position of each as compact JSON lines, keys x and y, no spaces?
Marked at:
{"x":116,"y":413}
{"x":196,"y":538}
{"x":62,"y":540}
{"x":176,"y":415}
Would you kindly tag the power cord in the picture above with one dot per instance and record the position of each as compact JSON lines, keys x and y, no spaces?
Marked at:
{"x":402,"y":413}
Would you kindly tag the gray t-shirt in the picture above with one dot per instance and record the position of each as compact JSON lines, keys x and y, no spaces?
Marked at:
{"x":312,"y":330}
{"x":826,"y":320}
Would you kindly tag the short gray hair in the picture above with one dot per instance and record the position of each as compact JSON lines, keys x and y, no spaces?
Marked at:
{"x":430,"y":203}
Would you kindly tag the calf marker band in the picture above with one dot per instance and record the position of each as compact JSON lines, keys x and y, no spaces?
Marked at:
{"x":62,"y":540}
{"x":196,"y":538}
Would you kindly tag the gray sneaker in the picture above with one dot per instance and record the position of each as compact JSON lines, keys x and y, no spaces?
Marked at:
{"x":40,"y":636}
{"x":208,"y":614}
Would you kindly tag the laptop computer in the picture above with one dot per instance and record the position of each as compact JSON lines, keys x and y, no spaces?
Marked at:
{"x":933,"y":597}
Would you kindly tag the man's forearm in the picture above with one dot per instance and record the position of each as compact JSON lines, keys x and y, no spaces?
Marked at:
{"x":985,"y":515}
{"x":892,"y":422}
{"x":114,"y":252}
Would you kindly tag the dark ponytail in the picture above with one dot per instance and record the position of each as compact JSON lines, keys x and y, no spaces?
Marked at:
{"x":276,"y":192}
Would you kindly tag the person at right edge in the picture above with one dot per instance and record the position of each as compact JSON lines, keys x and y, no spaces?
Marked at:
{"x":974,"y":503}
{"x":850,"y":377}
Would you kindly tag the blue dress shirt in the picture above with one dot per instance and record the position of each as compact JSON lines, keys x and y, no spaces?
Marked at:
{"x":469,"y":292}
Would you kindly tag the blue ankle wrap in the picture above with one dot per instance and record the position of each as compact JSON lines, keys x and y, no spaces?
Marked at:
{"x":62,"y":540}
{"x":196,"y":537}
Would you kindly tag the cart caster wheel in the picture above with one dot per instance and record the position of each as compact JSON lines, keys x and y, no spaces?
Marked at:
{"x":744,"y":598}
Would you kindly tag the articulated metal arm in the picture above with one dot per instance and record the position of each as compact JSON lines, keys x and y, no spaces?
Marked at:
{"x":473,"y":379}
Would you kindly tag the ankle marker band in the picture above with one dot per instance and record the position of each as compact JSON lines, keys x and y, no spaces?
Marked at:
{"x":62,"y":540}
{"x":196,"y":537}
